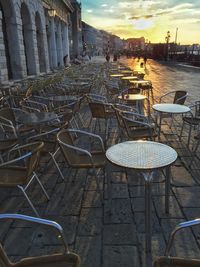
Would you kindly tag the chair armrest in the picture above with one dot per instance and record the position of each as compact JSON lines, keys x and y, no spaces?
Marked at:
{"x":95,"y":136}
{"x":137,"y":115}
{"x":162,"y":96}
{"x":49,"y":223}
{"x":53,"y":131}
{"x":6,"y":121}
{"x":4,"y":126}
{"x":178,"y":228}
{"x":21,"y":147}
{"x":18,"y":159}
{"x":78,"y":149}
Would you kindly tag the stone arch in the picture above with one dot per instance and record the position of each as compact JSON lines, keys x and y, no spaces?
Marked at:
{"x":40,"y":42}
{"x":4,"y":43}
{"x":11,"y":66}
{"x":28,"y":40}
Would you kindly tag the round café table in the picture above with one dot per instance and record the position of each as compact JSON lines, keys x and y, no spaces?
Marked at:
{"x":127,"y":71}
{"x":145,"y":157}
{"x":117,"y":75}
{"x":129,"y":78}
{"x":137,"y":98}
{"x":168,"y":108}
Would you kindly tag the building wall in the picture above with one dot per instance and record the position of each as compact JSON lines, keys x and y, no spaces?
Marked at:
{"x":32,"y":42}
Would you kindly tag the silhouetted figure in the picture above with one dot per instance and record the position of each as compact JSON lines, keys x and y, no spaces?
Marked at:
{"x":145,"y":60}
{"x":115,"y":57}
{"x":107,"y":57}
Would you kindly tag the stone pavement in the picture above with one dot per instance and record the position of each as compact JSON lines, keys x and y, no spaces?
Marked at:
{"x":116,"y":240}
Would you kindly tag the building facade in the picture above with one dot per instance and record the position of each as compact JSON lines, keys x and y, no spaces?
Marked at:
{"x":34,"y":37}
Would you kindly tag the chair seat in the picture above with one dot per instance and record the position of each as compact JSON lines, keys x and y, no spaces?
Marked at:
{"x":6,"y":144}
{"x":176,"y":262}
{"x":83,"y":161}
{"x":139,"y":133}
{"x":13,"y":176}
{"x":56,"y":260}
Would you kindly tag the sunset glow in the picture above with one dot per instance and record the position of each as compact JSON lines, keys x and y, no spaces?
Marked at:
{"x":151,"y":19}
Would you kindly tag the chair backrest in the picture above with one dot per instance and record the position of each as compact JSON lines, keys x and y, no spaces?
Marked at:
{"x":8,"y":114}
{"x":120,"y":108}
{"x":136,"y":125}
{"x":34,"y":105}
{"x":197,"y":109}
{"x":33,"y":160}
{"x":66,"y":143}
{"x":96,"y":98}
{"x":180,"y":97}
{"x":4,"y":261}
{"x":98,"y":110}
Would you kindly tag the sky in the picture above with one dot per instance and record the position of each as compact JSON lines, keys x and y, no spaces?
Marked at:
{"x":151,"y":19}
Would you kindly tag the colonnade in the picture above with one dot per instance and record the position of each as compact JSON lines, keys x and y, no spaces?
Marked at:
{"x":31,"y":42}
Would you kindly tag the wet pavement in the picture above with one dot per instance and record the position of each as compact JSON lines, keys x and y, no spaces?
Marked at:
{"x":118,"y":239}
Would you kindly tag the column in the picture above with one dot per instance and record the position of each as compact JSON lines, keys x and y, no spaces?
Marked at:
{"x":3,"y":63}
{"x":52,"y":39}
{"x":60,"y":46}
{"x":66,"y":41}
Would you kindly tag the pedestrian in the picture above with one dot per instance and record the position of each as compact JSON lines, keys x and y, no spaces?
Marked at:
{"x":115,"y":57}
{"x":145,"y":60}
{"x":107,"y":57}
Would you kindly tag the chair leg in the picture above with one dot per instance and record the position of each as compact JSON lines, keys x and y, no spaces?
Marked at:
{"x":194,"y":152}
{"x":189,"y":135}
{"x":42,"y":187}
{"x":182,"y":130}
{"x":56,"y":164}
{"x":28,"y":199}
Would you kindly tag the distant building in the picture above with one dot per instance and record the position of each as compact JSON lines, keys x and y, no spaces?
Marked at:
{"x":135,"y":45}
{"x":75,"y":30}
{"x":91,"y":39}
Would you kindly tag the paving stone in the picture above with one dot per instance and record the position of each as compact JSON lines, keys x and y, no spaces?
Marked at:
{"x":181,"y":177}
{"x":22,"y":236}
{"x":90,"y":222}
{"x":136,"y":191}
{"x":66,"y":200}
{"x":140,"y":222}
{"x":134,"y":178}
{"x":69,"y":225}
{"x":92,"y":199}
{"x":121,"y":211}
{"x":89,"y":249}
{"x":118,"y":177}
{"x":119,"y":234}
{"x":174,"y":210}
{"x":118,"y":256}
{"x":118,"y":191}
{"x":188,"y":196}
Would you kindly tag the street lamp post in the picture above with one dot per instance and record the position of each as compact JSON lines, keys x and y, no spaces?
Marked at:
{"x":167,"y":38}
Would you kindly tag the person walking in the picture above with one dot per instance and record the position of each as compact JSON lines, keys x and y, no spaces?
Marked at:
{"x":145,"y":60}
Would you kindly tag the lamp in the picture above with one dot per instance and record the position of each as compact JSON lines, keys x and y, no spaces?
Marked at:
{"x":51,"y":12}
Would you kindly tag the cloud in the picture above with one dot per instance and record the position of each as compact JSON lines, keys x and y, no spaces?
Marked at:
{"x":139,"y":17}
